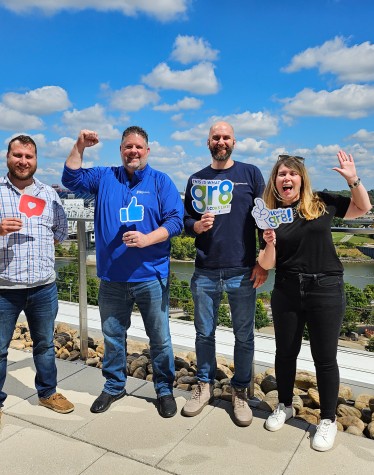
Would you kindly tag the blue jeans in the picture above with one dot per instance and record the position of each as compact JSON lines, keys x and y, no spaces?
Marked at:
{"x":207,"y":286}
{"x":116,"y":301}
{"x":40,"y":305}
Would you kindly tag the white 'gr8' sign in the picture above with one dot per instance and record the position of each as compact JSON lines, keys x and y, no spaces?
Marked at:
{"x":212,"y":196}
{"x":270,"y":218}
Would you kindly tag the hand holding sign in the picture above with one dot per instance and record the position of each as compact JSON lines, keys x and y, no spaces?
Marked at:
{"x":31,"y":206}
{"x":133,"y":212}
{"x":10,"y":225}
{"x":270,"y":218}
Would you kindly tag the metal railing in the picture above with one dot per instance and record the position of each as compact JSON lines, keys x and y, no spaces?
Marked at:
{"x":82,"y":275}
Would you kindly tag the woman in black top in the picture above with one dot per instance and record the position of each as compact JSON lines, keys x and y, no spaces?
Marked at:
{"x":309,"y":287}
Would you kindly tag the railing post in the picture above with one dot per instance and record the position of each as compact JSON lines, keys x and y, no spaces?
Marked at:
{"x":83,"y":329}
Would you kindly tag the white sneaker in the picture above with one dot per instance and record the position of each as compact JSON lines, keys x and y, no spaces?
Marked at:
{"x":325,"y":436}
{"x":278,"y":417}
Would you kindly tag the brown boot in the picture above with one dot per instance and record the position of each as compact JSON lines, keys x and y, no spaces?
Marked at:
{"x":58,"y":403}
{"x":242,"y":412}
{"x":201,"y":396}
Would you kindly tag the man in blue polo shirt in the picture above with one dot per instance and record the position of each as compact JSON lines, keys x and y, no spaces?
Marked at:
{"x":137,"y":211}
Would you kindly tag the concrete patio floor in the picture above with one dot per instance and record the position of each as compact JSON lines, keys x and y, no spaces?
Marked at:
{"x":131,"y":438}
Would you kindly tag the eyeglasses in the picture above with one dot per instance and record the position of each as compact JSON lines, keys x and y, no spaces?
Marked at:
{"x":284,"y":157}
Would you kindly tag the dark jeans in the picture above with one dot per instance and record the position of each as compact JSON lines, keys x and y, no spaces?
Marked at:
{"x":317,"y":300}
{"x":116,"y":301}
{"x":40,"y":305}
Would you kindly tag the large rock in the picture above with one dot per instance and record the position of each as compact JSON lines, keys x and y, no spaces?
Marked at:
{"x":345,"y":392}
{"x":347,"y":421}
{"x":305,"y":380}
{"x":226,"y":392}
{"x":181,"y":363}
{"x":354,"y":431}
{"x":223,"y":372}
{"x":187,"y":380}
{"x":344,"y":410}
{"x":270,"y":372}
{"x":136,"y":346}
{"x":139,"y":373}
{"x":268,"y":384}
{"x":191,"y":357}
{"x":17,"y":333}
{"x":259,"y":377}
{"x":258,"y":394}
{"x":62,"y":328}
{"x":309,"y":415}
{"x":17,"y":344}
{"x":269,"y":402}
{"x":221,"y":360}
{"x":314,"y":396}
{"x":362,"y":401}
{"x":369,"y":431}
{"x":140,"y":362}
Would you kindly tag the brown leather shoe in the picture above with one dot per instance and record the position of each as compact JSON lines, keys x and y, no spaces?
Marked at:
{"x":58,"y":403}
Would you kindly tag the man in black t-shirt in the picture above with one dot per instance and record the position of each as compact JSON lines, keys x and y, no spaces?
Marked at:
{"x":218,"y":204}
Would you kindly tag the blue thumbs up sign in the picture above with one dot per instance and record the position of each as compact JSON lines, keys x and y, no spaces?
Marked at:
{"x":133,"y":212}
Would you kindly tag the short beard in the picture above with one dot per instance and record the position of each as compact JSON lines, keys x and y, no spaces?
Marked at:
{"x":14,"y":174}
{"x":215,"y":152}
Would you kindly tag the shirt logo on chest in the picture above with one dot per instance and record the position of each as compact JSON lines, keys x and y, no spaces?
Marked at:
{"x":133,"y":212}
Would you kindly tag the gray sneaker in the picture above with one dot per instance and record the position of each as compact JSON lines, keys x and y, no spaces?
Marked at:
{"x":242,"y":412}
{"x":201,"y":396}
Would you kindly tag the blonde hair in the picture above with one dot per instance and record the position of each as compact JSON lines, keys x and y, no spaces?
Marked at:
{"x":310,"y":205}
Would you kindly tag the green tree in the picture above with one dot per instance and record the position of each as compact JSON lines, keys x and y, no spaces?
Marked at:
{"x":261,"y":316}
{"x":370,"y":345}
{"x":355,"y":308}
{"x":224,"y":318}
{"x":68,"y":285}
{"x":73,"y":250}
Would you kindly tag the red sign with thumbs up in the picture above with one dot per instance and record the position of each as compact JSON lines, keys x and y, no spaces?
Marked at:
{"x":31,"y":206}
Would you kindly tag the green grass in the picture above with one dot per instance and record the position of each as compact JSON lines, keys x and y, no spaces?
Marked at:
{"x":358,"y":240}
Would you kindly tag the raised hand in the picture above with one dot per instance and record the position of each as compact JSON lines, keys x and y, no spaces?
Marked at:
{"x":347,"y":167}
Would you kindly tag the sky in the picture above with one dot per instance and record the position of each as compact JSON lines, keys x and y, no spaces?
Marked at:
{"x":290,"y":76}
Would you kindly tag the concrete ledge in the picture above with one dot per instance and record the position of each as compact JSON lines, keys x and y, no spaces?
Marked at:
{"x":356,"y":366}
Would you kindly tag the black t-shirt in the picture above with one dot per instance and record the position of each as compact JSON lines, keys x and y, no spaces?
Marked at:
{"x":232,"y":241}
{"x":307,"y":246}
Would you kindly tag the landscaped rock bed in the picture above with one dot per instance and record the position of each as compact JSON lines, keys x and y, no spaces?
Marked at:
{"x":353,"y":416}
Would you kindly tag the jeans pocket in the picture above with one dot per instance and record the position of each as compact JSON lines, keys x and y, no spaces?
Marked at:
{"x":329,"y":281}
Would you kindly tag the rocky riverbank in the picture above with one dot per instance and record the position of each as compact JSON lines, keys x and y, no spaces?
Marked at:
{"x":353,"y":416}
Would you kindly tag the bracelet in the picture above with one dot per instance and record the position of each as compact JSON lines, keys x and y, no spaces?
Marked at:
{"x":355,"y":184}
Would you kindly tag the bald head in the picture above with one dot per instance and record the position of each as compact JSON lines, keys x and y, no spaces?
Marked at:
{"x":221,"y":142}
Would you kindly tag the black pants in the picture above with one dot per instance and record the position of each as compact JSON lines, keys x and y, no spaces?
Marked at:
{"x":317,"y":300}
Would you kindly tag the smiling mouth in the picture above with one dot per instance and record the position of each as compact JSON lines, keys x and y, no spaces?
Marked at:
{"x":287,"y":187}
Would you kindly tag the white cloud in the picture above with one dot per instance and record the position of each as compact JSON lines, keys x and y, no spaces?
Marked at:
{"x":350,"y":64}
{"x":351,"y":101}
{"x":92,"y":118}
{"x":251,"y":146}
{"x":258,"y":124}
{"x":133,"y":98}
{"x":13,"y":120}
{"x":163,"y":10}
{"x":189,"y":49}
{"x":44,"y":100}
{"x":187,"y":103}
{"x":363,"y":136}
{"x":200,"y":79}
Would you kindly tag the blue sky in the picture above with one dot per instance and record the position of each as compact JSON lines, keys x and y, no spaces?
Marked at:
{"x":291,"y":76}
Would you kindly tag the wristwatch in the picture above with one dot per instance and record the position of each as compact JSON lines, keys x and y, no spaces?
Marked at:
{"x":355,"y":184}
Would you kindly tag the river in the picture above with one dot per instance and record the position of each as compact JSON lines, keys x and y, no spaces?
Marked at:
{"x":358,"y":274}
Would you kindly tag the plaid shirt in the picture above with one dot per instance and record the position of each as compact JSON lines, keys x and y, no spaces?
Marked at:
{"x":27,"y":257}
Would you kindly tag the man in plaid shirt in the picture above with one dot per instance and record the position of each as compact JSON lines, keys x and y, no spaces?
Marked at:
{"x":32,"y":220}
